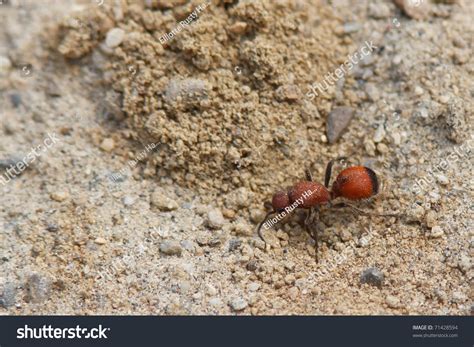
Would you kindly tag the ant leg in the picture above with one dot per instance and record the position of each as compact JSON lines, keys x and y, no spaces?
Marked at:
{"x":310,"y":218}
{"x":365,"y":213}
{"x":259,"y":229}
{"x":315,"y":234}
{"x":309,"y":176}
{"x":327,"y":176}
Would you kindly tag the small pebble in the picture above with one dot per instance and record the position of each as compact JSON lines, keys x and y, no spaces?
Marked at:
{"x":7,"y":298}
{"x":436,"y":232}
{"x":5,"y":64}
{"x":293,"y":293}
{"x":107,"y":145}
{"x":288,"y":93}
{"x":242,"y":229}
{"x":15,"y":99}
{"x":9,"y":162}
{"x":59,"y":196}
{"x":397,"y":138}
{"x":215,"y":219}
{"x":189,"y":87}
{"x":163,"y":202}
{"x":431,"y":219}
{"x":379,"y":134}
{"x":418,"y":91}
{"x":351,"y":27}
{"x":128,"y":200}
{"x":238,"y":27}
{"x":215,"y":302}
{"x":252,"y":265}
{"x":372,"y":276}
{"x":338,"y":120}
{"x":392,"y":301}
{"x":38,"y":288}
{"x":379,"y":10}
{"x":114,"y":37}
{"x":464,"y":263}
{"x":100,"y":241}
{"x":171,"y":247}
{"x":253,"y":287}
{"x":414,"y":9}
{"x":442,"y":179}
{"x":345,"y":235}
{"x":234,"y":244}
{"x":238,"y":304}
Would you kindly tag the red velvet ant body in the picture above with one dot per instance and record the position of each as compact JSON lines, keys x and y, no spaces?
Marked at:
{"x":353,"y":183}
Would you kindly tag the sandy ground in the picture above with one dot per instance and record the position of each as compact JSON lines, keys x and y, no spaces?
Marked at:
{"x":137,"y":203}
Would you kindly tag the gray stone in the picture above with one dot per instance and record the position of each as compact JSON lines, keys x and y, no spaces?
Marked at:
{"x":252,"y":265}
{"x":7,"y":298}
{"x":38,"y":288}
{"x":238,"y":304}
{"x":372,"y":276}
{"x":234,"y":244}
{"x":8,"y":162}
{"x":337,"y":121}
{"x":171,"y":247}
{"x":215,"y":219}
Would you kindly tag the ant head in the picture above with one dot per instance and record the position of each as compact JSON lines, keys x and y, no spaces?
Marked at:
{"x":280,"y":200}
{"x":355,"y":183}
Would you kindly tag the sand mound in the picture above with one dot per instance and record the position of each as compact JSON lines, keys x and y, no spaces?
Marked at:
{"x":220,"y":85}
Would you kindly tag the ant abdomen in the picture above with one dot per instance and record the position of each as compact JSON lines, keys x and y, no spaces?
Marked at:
{"x":355,"y":183}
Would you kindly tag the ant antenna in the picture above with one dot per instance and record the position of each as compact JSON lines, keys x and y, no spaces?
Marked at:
{"x":327,"y":176}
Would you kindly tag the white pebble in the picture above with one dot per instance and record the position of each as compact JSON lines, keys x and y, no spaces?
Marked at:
{"x":436,"y":232}
{"x":114,"y":37}
{"x":418,"y":90}
{"x":5,"y":64}
{"x":379,"y":134}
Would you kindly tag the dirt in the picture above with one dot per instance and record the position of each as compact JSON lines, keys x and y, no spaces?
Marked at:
{"x":172,"y":135}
